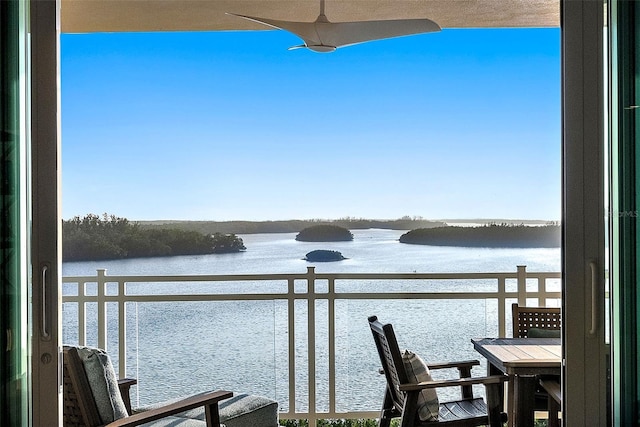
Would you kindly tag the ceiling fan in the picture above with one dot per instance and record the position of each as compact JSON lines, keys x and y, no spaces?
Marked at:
{"x":323,"y":35}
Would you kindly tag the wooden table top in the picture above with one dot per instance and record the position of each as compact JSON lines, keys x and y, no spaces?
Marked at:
{"x":522,"y":356}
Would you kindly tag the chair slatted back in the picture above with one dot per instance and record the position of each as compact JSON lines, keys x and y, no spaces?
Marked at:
{"x":79,"y":408}
{"x":391,"y":360}
{"x":525,"y":318}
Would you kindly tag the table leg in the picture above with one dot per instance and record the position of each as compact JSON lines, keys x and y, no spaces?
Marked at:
{"x":493,"y":370}
{"x":511,"y":409}
{"x":524,"y":397}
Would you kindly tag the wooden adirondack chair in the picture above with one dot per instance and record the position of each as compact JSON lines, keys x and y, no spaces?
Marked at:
{"x":81,"y":409}
{"x":402,"y":396}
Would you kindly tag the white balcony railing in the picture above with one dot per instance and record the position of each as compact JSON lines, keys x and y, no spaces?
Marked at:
{"x":307,"y":317}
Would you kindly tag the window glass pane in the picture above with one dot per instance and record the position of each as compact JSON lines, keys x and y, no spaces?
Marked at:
{"x":14,"y":368}
{"x":625,"y":133}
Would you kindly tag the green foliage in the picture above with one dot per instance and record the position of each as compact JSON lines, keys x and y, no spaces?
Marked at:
{"x":491,"y":236}
{"x":324,"y":233}
{"x":96,"y":237}
{"x":359,"y":423}
{"x":336,"y":423}
{"x":227,"y":243}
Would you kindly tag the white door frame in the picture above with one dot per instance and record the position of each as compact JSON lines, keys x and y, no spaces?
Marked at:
{"x":46,"y":225}
{"x":585,"y":357}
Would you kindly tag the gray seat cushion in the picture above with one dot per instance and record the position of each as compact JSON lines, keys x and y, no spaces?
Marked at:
{"x":247,"y":410}
{"x":242,"y":410}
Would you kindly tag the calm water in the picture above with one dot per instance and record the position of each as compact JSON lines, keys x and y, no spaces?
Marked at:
{"x":180,"y":348}
{"x":370,"y":251}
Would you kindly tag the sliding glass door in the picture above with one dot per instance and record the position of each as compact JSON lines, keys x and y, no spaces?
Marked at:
{"x":625,"y":203}
{"x":14,"y":346}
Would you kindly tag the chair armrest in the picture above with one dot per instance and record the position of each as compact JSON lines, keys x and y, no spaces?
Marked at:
{"x":460,"y":364}
{"x":202,"y":399}
{"x":553,"y":388}
{"x":124,"y":385}
{"x":494,"y":379}
{"x":127,"y":382}
{"x":445,"y":365}
{"x":464,"y":370}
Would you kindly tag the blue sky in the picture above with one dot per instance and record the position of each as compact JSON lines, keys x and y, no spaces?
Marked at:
{"x":232,"y":125}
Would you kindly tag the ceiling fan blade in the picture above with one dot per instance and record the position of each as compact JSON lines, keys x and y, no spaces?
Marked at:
{"x":341,"y":34}
{"x":325,"y":36}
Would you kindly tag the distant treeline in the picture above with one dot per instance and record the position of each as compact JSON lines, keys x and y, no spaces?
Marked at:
{"x":490,"y":236}
{"x":290,"y":226}
{"x":105,"y":237}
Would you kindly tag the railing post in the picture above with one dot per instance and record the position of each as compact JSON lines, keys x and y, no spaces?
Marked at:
{"x":102,"y":309}
{"x":502,"y":315}
{"x":122,"y":330}
{"x":311,"y":341}
{"x":522,"y":285}
{"x":542,"y":291}
{"x":291,"y":317}
{"x":82,"y":313}
{"x":332,"y":344}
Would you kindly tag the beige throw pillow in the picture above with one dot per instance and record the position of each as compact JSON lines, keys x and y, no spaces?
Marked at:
{"x":417,"y":371}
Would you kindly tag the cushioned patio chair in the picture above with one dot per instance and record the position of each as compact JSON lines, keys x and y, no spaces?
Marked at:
{"x":536,"y":322}
{"x":539,"y":322}
{"x":411,"y":392}
{"x":93,"y":397}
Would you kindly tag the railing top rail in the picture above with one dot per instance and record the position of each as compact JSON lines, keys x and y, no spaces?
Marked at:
{"x":186,"y":278}
{"x":302,"y":276}
{"x":305,"y":295}
{"x":433,"y":276}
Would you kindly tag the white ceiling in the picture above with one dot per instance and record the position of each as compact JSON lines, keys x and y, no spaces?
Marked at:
{"x":82,"y":16}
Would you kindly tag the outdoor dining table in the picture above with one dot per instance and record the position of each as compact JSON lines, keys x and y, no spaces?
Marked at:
{"x":522,"y":359}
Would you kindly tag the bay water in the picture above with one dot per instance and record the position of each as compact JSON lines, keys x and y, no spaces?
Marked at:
{"x":179,"y":348}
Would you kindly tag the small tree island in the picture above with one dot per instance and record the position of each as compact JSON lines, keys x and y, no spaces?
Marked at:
{"x":106,"y":237}
{"x":488,"y":236}
{"x":324,"y":233}
{"x":324,"y":255}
